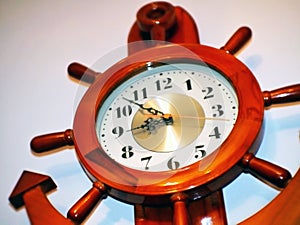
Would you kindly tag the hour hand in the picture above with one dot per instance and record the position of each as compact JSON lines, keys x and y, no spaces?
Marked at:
{"x":151,"y":125}
{"x":148,"y":109}
{"x":145,"y":125}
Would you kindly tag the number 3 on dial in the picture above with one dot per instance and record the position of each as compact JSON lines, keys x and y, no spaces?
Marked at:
{"x":156,"y":120}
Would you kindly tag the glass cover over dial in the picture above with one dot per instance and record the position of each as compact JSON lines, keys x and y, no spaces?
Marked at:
{"x":167,"y":116}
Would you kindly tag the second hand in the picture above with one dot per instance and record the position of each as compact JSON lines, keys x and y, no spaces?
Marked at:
{"x":190,"y":117}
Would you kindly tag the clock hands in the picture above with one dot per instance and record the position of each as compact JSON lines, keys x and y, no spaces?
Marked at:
{"x":149,"y":109}
{"x":156,"y":112}
{"x":150,"y":124}
{"x":192,"y":117}
{"x":157,"y":119}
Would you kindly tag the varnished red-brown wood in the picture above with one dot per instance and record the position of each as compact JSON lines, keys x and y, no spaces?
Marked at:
{"x":82,"y":73}
{"x":84,"y":206}
{"x":222,"y":165}
{"x":266,"y":171}
{"x":27,"y":181}
{"x":284,"y":209}
{"x":207,"y":210}
{"x":282,"y":95}
{"x":213,"y":209}
{"x":180,"y":212}
{"x":146,"y":215}
{"x":48,"y":142}
{"x":182,"y":209}
{"x":158,"y":19}
{"x":40,"y":211}
{"x":237,"y":40}
{"x":30,"y":191}
{"x":164,"y":22}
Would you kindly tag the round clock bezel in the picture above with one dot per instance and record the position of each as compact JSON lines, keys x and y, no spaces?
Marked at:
{"x":221,"y":167}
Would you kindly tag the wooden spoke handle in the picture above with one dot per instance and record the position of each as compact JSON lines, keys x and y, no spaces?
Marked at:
{"x":237,"y":40}
{"x":180,"y":213}
{"x":266,"y":171}
{"x":82,"y":73}
{"x":48,"y":142}
{"x":82,"y":208}
{"x":282,"y":95}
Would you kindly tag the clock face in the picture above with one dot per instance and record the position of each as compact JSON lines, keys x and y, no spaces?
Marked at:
{"x":167,"y":116}
{"x":166,"y":119}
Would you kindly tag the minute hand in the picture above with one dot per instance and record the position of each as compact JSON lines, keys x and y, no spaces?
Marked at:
{"x":149,"y":109}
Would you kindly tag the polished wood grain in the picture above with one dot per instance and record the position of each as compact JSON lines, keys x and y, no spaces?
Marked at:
{"x":222,"y":165}
{"x":48,"y":142}
{"x":40,"y":211}
{"x":147,"y":215}
{"x":158,"y":19}
{"x":266,"y":171}
{"x":84,"y":206}
{"x":82,"y":73}
{"x":207,"y":210}
{"x":238,"y":40}
{"x":161,"y":21}
{"x":284,"y":209}
{"x":282,"y":95}
{"x":188,"y":196}
{"x":180,"y":211}
{"x":30,"y":191}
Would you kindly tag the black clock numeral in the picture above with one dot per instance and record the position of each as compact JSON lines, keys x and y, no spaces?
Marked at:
{"x":188,"y":84}
{"x":215,"y":133}
{"x":173,"y":165}
{"x":127,"y":152}
{"x":147,"y":159}
{"x":218,"y":109}
{"x":118,"y":131}
{"x":163,"y":84}
{"x":142,"y":94}
{"x":199,"y":151}
{"x":208,"y":92}
{"x":124,"y":111}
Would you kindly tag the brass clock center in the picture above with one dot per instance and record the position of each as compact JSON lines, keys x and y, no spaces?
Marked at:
{"x":182,"y":122}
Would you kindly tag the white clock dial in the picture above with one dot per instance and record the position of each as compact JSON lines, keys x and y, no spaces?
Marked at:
{"x":167,"y":117}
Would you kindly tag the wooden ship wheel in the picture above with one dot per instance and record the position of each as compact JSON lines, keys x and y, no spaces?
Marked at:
{"x":165,"y":129}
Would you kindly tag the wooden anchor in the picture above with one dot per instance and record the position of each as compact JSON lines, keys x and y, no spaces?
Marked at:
{"x":30,"y":191}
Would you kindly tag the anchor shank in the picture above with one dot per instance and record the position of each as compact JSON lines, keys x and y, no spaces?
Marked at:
{"x":39,"y":209}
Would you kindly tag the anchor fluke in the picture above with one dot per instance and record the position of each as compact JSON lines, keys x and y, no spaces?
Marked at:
{"x":30,"y":191}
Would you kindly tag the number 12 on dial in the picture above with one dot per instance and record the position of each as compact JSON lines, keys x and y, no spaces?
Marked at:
{"x":167,"y":117}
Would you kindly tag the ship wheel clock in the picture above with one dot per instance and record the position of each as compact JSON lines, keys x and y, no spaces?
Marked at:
{"x":165,"y":129}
